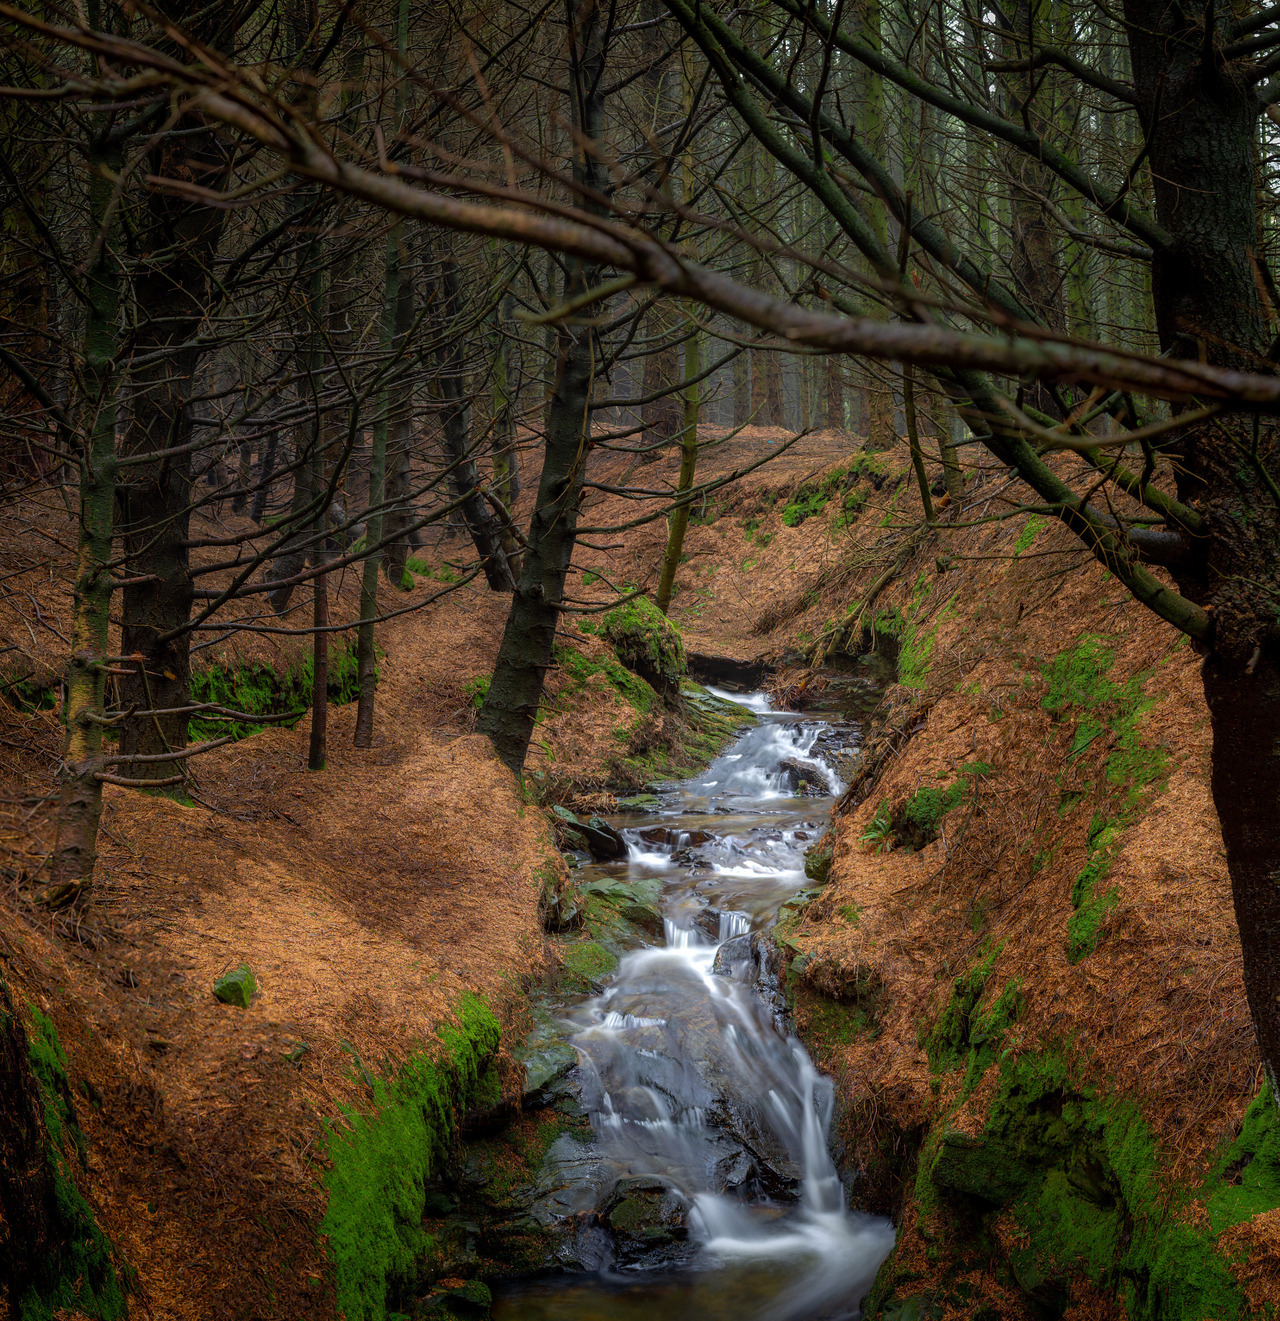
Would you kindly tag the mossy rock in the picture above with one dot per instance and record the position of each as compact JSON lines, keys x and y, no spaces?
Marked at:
{"x":646,"y":642}
{"x":587,"y":964}
{"x":980,"y":1167}
{"x":236,"y":987}
{"x":817,"y":861}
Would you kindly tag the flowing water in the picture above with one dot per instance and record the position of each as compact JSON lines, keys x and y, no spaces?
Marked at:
{"x":689,"y":1074}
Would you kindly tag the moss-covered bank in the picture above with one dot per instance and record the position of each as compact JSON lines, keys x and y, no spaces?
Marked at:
{"x":1063,"y":1189}
{"x":383,"y":1159}
{"x":76,"y":1269}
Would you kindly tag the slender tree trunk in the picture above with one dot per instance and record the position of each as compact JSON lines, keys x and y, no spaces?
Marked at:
{"x":913,"y":440}
{"x":80,"y":809}
{"x":511,"y":705}
{"x":318,"y":748}
{"x":399,"y":437}
{"x":486,"y":532}
{"x":678,"y":520}
{"x":366,"y":650}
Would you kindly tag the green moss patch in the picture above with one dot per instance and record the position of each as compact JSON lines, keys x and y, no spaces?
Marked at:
{"x":586,"y":964}
{"x":79,"y":1273}
{"x":1081,"y":1174}
{"x":840,"y":485}
{"x":967,"y":1034}
{"x":258,"y":690}
{"x":1080,"y":690}
{"x":382,"y":1160}
{"x":647,"y":644}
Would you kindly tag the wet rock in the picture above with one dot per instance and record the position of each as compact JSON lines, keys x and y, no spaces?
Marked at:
{"x":644,"y":1215}
{"x":602,"y":839}
{"x":571,"y":1181}
{"x":236,"y":987}
{"x":708,"y":922}
{"x":638,"y":903}
{"x":545,"y":1066}
{"x":806,"y":778}
{"x":770,"y":971}
{"x":736,"y":959}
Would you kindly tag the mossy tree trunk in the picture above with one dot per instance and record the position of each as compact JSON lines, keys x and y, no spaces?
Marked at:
{"x":80,"y":809}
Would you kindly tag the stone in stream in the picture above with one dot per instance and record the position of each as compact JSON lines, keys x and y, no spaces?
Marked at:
{"x":595,"y":836}
{"x":644,"y":1215}
{"x":736,"y":959}
{"x":545,"y":1066}
{"x":804,"y":777}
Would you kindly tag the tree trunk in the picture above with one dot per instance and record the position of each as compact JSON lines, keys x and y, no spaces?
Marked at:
{"x":678,"y":522}
{"x":511,"y":705}
{"x":399,"y":436}
{"x":366,"y":651}
{"x":1208,"y":305}
{"x":171,"y":289}
{"x":80,"y":809}
{"x":486,"y":532}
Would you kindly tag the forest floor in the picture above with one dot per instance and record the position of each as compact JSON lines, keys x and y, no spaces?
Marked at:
{"x":1054,"y":728}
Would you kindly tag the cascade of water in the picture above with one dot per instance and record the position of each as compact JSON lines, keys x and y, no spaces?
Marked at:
{"x":686,"y":1076}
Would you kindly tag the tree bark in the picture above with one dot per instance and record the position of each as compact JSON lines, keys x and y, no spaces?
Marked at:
{"x":528,"y":641}
{"x":171,"y":294}
{"x":678,"y":522}
{"x":486,"y":532}
{"x":1207,"y":299}
{"x":76,"y":848}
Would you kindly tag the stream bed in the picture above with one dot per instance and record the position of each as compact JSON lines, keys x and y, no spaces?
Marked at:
{"x":705,"y":1111}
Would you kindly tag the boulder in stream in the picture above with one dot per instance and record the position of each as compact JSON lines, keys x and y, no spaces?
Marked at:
{"x":807,"y":778}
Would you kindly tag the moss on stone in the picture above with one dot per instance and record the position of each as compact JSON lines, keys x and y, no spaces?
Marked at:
{"x":80,"y":1274}
{"x":381,"y":1161}
{"x":236,"y":987}
{"x":647,"y":643}
{"x":586,"y":964}
{"x":818,"y":859}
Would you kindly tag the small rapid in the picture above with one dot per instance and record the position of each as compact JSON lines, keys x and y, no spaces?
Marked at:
{"x":690,"y":1075}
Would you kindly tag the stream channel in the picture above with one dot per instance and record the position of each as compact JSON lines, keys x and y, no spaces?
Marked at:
{"x":698,"y":1094}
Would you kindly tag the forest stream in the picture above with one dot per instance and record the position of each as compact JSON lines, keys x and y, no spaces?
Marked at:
{"x":695,"y":1087}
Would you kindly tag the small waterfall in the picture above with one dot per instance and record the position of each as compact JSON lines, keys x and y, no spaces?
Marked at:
{"x":686,"y":1077}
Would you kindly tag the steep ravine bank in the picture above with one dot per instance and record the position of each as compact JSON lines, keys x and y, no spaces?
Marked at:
{"x":1023,"y":972}
{"x":1021,"y":975}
